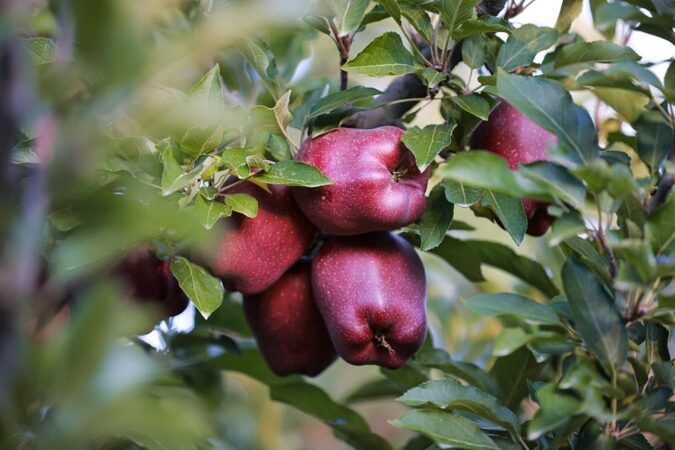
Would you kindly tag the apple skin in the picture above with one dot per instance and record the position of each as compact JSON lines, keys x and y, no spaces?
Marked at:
{"x":149,"y":281}
{"x":288,"y":327}
{"x":518,"y":140}
{"x":371,"y":292}
{"x":253,"y":253}
{"x":366,"y":194}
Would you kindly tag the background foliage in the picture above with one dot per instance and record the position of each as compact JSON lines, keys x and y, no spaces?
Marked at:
{"x":121,"y":121}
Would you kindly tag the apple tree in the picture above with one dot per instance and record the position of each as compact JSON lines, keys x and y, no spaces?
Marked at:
{"x":474,"y":212}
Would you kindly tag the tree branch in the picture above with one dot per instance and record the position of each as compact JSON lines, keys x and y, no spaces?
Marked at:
{"x":412,"y":86}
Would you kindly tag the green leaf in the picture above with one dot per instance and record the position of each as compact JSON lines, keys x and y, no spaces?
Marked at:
{"x":171,"y":169}
{"x":659,"y":228}
{"x":460,"y":256}
{"x":450,"y":394}
{"x":373,"y":390}
{"x":349,"y":14}
{"x":446,"y":428}
{"x":595,"y":315}
{"x":504,"y":304}
{"x":486,"y":24}
{"x":333,"y":101}
{"x":541,"y":343}
{"x":590,"y":256}
{"x":474,"y":52}
{"x":209,"y":212}
{"x":608,"y":14}
{"x":655,"y":139}
{"x":627,"y":103}
{"x":455,"y":12}
{"x":502,"y":257}
{"x":510,"y":212}
{"x":549,"y":105}
{"x":523,"y":45}
{"x":569,"y":10}
{"x":42,"y":48}
{"x":557,"y":181}
{"x":426,"y":143}
{"x":384,"y":56}
{"x":209,"y":90}
{"x":419,"y":19}
{"x":566,"y":226}
{"x":461,"y":195}
{"x":433,"y":77}
{"x":669,"y":82}
{"x":346,"y":423}
{"x":242,"y":203}
{"x":512,"y":372}
{"x":190,"y":177}
{"x":203,"y":289}
{"x":318,"y":23}
{"x":200,"y":140}
{"x":437,"y":358}
{"x":557,"y":408}
{"x":593,"y":52}
{"x":392,"y":8}
{"x":263,"y":64}
{"x":436,"y":219}
{"x":510,"y":340}
{"x":486,"y":170}
{"x":475,"y":104}
{"x":275,"y":119}
{"x":293,"y":173}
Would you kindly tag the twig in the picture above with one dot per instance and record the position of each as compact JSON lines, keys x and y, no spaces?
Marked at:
{"x":411,"y":86}
{"x":343,"y":44}
{"x":661,"y":194}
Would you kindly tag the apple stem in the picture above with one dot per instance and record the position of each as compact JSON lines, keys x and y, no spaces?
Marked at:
{"x":398,"y":174}
{"x":380,"y":341}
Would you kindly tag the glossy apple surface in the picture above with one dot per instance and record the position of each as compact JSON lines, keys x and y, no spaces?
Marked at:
{"x":288,"y":327}
{"x":371,"y":292}
{"x":509,"y":133}
{"x":255,"y":252}
{"x":377,"y":185}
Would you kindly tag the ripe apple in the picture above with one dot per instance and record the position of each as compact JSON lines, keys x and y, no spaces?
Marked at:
{"x":518,"y":140}
{"x":376,"y":184}
{"x":371,"y":292}
{"x":149,"y":281}
{"x":288,"y":327}
{"x":255,"y":252}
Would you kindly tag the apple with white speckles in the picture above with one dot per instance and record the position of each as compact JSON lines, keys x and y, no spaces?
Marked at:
{"x":288,"y":327}
{"x":519,"y":140}
{"x":376,"y":183}
{"x":371,"y":292}
{"x":253,"y":253}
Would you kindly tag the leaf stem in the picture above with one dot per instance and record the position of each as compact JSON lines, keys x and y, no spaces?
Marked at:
{"x":343,"y":44}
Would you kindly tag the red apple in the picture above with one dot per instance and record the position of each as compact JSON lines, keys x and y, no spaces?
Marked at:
{"x":518,"y":140}
{"x":377,"y":185}
{"x":255,"y":252}
{"x":288,"y":327}
{"x":149,"y":281}
{"x":371,"y":292}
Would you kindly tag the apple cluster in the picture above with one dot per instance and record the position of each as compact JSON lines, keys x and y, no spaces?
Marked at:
{"x":355,"y":289}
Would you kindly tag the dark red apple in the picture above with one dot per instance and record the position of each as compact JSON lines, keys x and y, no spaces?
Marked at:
{"x":518,"y":140}
{"x":371,"y":292}
{"x":255,"y":252}
{"x":288,"y":327}
{"x":377,"y":185}
{"x":149,"y":281}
